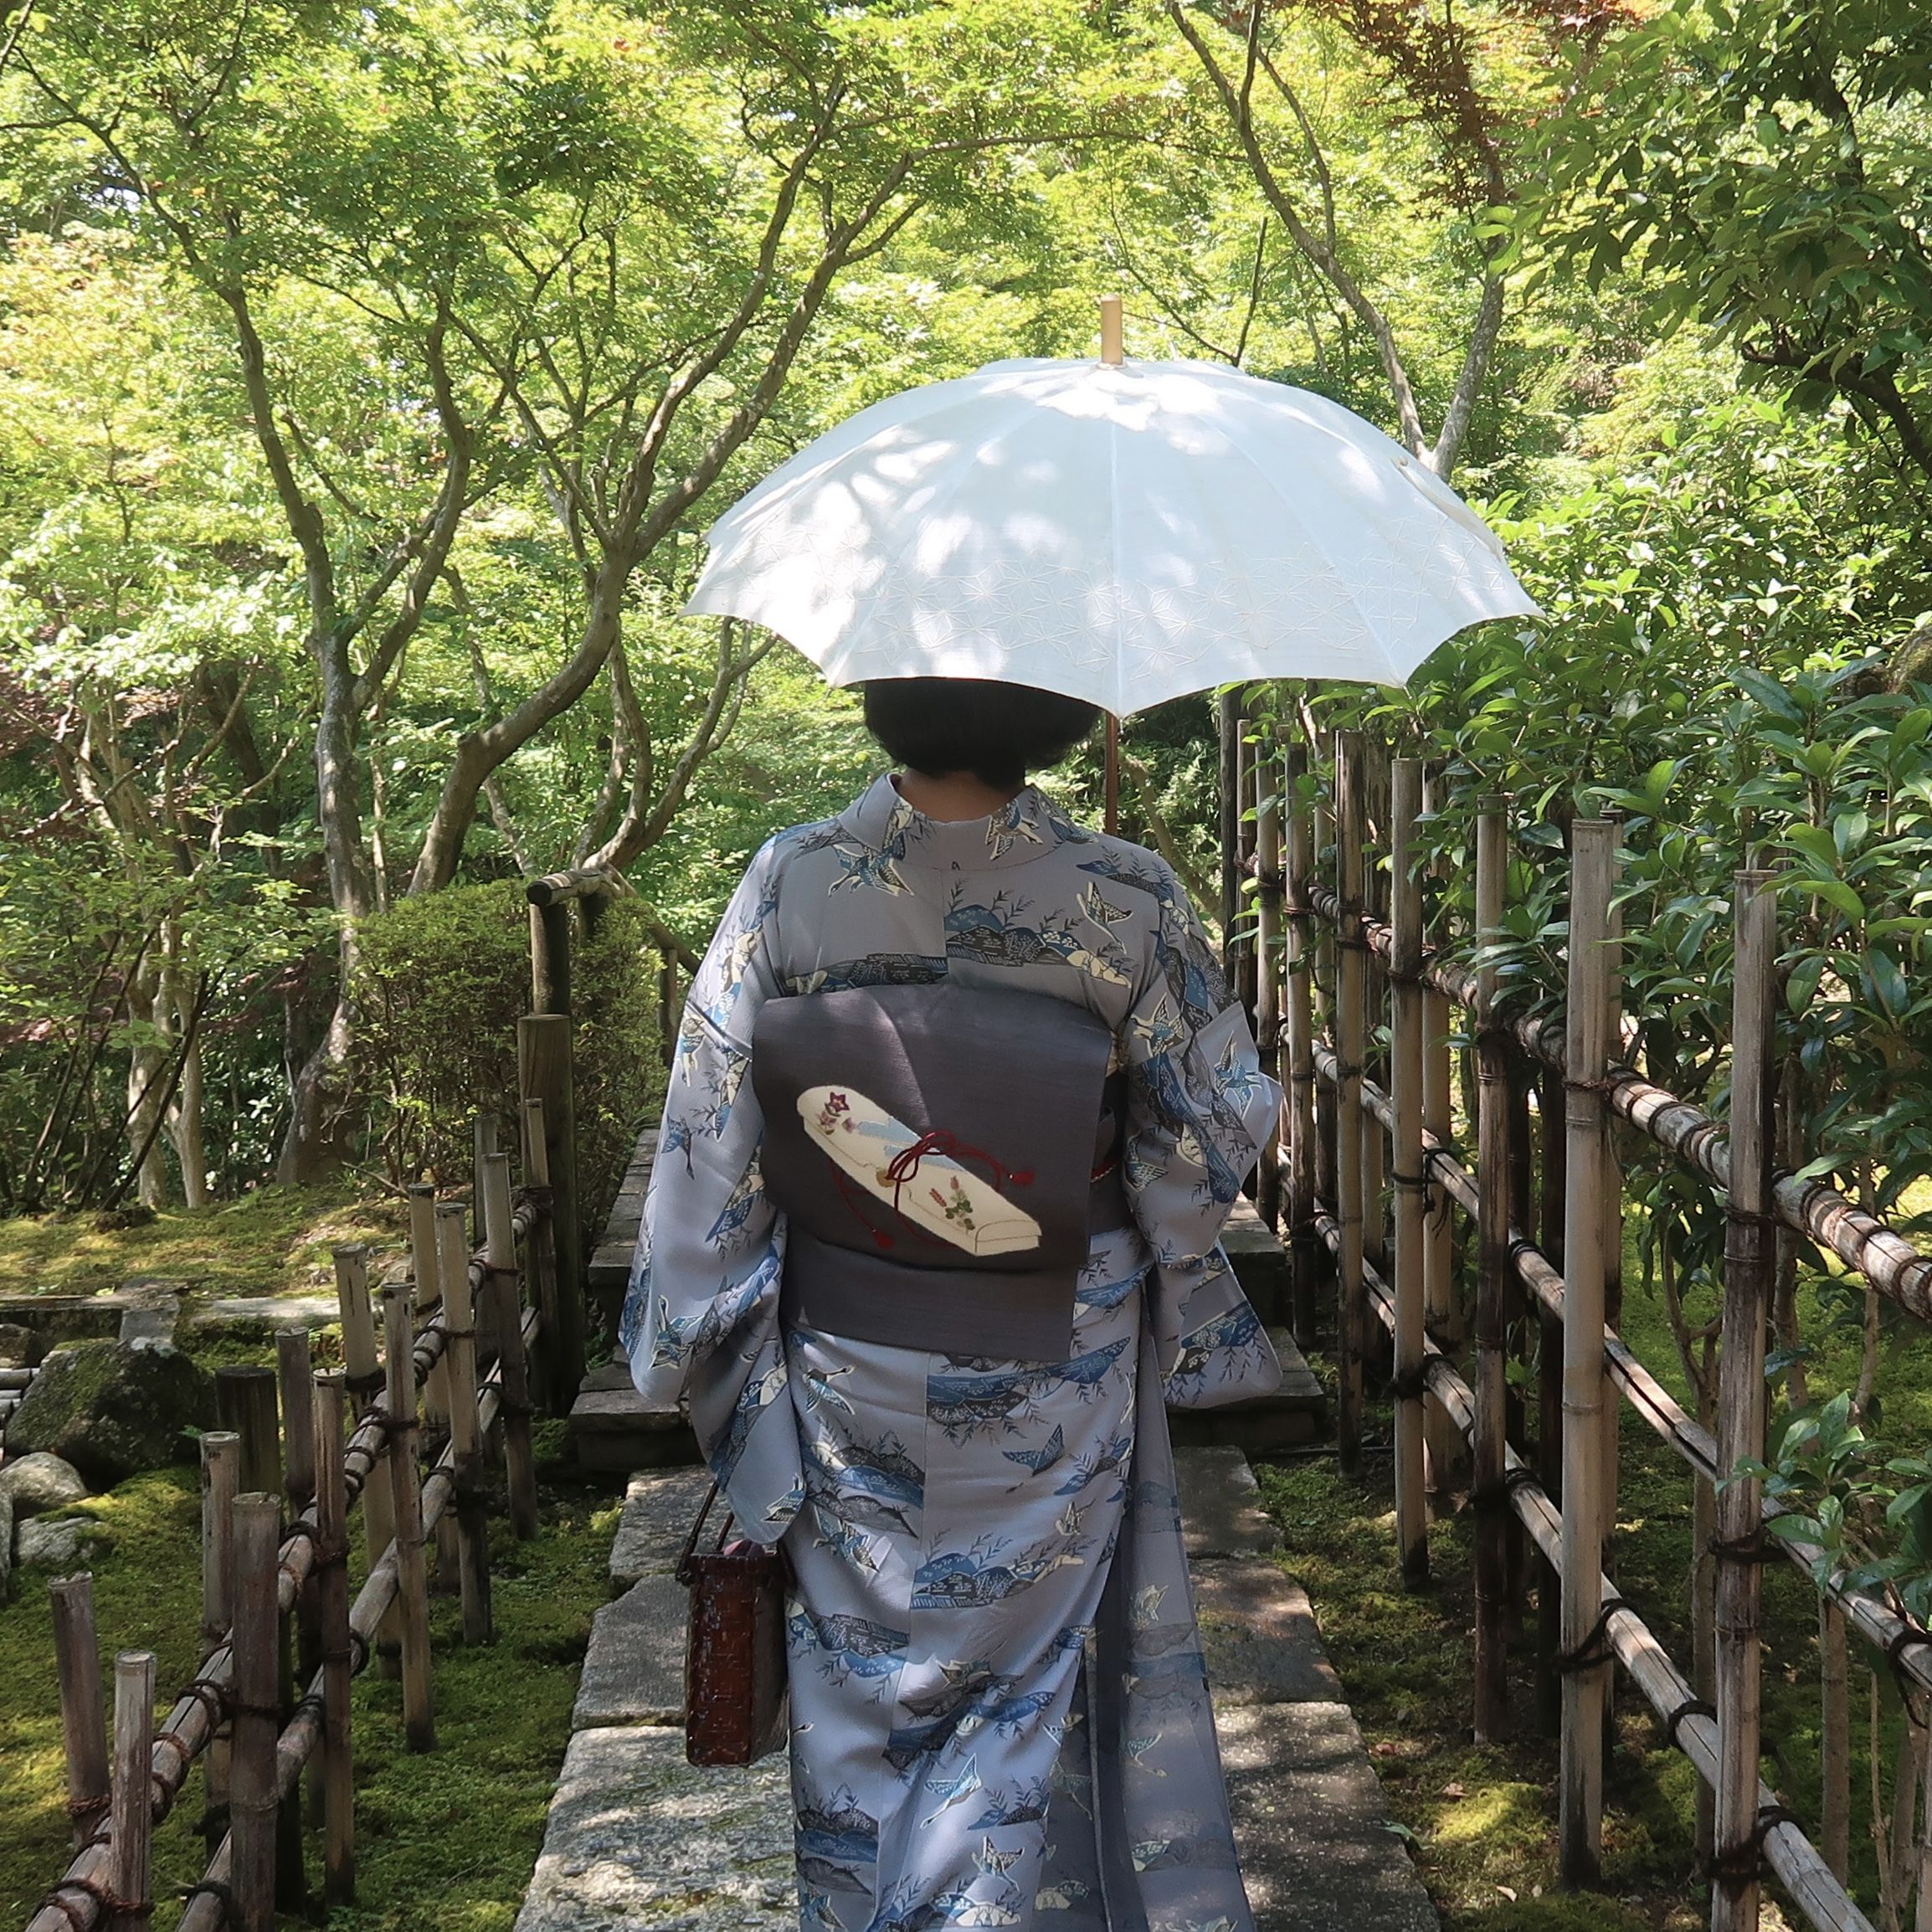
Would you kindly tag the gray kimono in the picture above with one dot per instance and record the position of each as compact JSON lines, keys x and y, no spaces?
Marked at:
{"x":1000,"y":1709}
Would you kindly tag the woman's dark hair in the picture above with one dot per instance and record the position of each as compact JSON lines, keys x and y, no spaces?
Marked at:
{"x":997,"y":732}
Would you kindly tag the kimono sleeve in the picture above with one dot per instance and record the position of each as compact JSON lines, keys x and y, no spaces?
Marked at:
{"x":1200,"y":1109}
{"x":701,"y":1314}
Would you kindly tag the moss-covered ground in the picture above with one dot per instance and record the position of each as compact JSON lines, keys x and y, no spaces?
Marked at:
{"x":271,"y":1241}
{"x":1482,"y":1821}
{"x":446,"y":1839}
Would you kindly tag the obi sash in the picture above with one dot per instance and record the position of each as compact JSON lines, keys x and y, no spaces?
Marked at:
{"x":943,"y":1156}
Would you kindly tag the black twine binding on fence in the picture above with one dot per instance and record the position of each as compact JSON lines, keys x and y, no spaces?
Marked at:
{"x":1752,"y":1549}
{"x":1595,"y":1649}
{"x":103,"y":1895}
{"x":1496,"y":1495}
{"x":1690,"y":1708}
{"x":212,"y":1889}
{"x":1412,"y":1385}
{"x":1738,"y":1865}
{"x":1909,"y":1687}
{"x":209,"y":1697}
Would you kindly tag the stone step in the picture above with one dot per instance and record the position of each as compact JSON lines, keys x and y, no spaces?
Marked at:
{"x":637,"y":1837}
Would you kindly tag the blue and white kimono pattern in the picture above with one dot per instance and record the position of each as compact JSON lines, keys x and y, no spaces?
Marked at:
{"x":1000,"y":1707}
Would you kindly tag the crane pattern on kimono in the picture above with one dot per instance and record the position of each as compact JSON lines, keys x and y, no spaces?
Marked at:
{"x":1001,"y":933}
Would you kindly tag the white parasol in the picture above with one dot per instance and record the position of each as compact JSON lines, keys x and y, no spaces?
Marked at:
{"x":1120,"y":532}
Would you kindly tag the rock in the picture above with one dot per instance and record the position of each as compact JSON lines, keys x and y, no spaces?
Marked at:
{"x":634,"y":1671}
{"x":113,"y":1410}
{"x":40,"y":1482}
{"x":6,"y":1546}
{"x":638,"y":1838}
{"x":19,"y":1346}
{"x":152,"y":1310}
{"x":62,"y":1543}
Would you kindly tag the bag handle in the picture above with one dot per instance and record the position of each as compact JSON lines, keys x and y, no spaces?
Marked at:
{"x":684,"y":1572}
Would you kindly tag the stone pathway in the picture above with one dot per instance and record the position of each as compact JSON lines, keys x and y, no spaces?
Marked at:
{"x":639,"y":1842}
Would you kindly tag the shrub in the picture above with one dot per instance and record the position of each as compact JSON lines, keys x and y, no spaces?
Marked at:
{"x":441,"y":980}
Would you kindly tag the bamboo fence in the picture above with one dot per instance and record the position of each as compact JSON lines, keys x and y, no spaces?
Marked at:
{"x":275,"y":1563}
{"x":1545,"y":1257}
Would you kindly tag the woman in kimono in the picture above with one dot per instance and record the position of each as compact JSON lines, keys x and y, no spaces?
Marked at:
{"x":998,"y":1706}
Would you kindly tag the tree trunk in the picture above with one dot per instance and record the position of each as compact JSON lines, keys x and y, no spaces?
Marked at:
{"x":321,"y":1121}
{"x":146,"y":1073}
{"x":183,"y":1122}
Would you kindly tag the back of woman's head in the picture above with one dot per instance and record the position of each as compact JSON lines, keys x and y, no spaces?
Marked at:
{"x":997,"y":732}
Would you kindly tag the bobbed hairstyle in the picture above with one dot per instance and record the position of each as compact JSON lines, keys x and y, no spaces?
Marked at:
{"x":997,"y":732}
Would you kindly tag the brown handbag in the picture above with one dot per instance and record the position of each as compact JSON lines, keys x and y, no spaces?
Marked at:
{"x":736,"y":1706}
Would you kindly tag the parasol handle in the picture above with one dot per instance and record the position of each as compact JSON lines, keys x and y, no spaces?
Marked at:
{"x":1110,"y":331}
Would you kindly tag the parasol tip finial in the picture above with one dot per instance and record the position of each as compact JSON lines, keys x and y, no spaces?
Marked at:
{"x":1111,"y":352}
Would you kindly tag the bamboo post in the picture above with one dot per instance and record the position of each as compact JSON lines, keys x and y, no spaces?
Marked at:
{"x":1492,"y":1393}
{"x":412,"y":1580}
{"x":1266,"y":775}
{"x":1350,"y":1323}
{"x":1584,"y":1661}
{"x":257,"y":1649}
{"x":550,"y":977}
{"x":1549,"y":1397}
{"x":221,"y":1459}
{"x":425,"y":1265}
{"x":1228,"y":736}
{"x":1374,"y":816}
{"x":1110,"y":778}
{"x":1246,"y":957}
{"x":363,"y":1377}
{"x":500,"y":1287}
{"x":1748,"y":1254}
{"x":1448,"y":1453}
{"x":541,"y":1250}
{"x":246,"y":1402}
{"x":337,"y":1659}
{"x":220,"y":1484}
{"x":132,"y":1802}
{"x":1411,"y":1187}
{"x":77,"y":1658}
{"x":1303,"y":1243}
{"x":295,"y":1371}
{"x":543,"y":1058}
{"x":485,"y":1128}
{"x":459,"y":1352}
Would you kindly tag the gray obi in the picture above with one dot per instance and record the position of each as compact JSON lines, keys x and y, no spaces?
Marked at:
{"x":943,"y":1156}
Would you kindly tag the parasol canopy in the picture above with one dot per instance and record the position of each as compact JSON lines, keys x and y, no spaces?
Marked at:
{"x":1120,"y":532}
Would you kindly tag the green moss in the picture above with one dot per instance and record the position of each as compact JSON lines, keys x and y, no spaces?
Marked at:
{"x":461,"y":1825}
{"x":272,"y":1240}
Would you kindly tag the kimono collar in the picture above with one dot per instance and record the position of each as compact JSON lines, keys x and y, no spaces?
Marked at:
{"x":1024,"y":828}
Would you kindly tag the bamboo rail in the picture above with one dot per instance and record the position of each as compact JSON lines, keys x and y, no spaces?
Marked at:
{"x":1899,"y":1271}
{"x":1566,"y":1185}
{"x":79,"y":1900}
{"x":1909,"y":1642}
{"x":1694,"y":1731}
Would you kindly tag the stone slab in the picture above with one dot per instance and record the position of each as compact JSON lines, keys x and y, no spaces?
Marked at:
{"x":640,"y":1842}
{"x":1258,"y":1630}
{"x":1310,"y":1827}
{"x":633,"y":1671}
{"x":1259,"y":1262}
{"x":312,"y":1311}
{"x":1220,"y":1504}
{"x":659,"y":1508}
{"x":615,"y":1429}
{"x":607,"y":1376}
